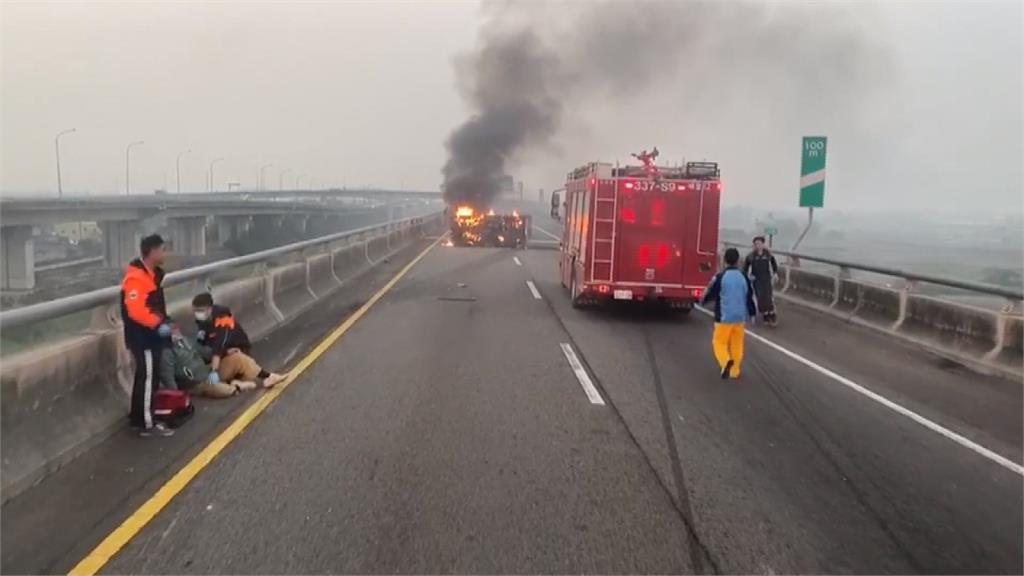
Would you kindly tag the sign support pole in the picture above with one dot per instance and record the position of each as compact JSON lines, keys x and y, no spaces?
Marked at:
{"x":810,"y":220}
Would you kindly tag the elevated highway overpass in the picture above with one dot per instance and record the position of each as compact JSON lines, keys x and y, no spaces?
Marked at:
{"x":185,"y":217}
{"x":449,"y":411}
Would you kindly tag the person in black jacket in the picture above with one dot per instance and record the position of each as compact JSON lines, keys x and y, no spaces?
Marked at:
{"x":146,"y":327}
{"x":760,"y":264}
{"x":224,"y":343}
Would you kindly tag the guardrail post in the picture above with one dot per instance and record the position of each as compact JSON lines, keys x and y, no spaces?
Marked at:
{"x":1002,"y":326}
{"x":309,"y":282}
{"x":334,"y":273}
{"x":105,"y":317}
{"x":305,"y":254}
{"x":842,"y":273}
{"x":268,"y":291}
{"x":860,"y":300}
{"x":908,"y":287}
{"x":366,"y":251}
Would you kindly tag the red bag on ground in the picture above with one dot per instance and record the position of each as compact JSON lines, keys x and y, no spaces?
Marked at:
{"x":172,"y":407}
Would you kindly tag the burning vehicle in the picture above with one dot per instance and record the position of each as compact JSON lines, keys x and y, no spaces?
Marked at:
{"x":473,"y":227}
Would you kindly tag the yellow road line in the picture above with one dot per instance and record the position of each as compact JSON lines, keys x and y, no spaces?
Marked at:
{"x":123,"y":534}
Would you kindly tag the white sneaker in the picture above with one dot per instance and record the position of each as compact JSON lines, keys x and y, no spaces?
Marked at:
{"x":244,"y":384}
{"x":159,"y":429}
{"x":273,"y":380}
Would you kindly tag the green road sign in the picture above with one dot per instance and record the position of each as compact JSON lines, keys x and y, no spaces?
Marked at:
{"x":771,"y":231}
{"x":812,"y":172}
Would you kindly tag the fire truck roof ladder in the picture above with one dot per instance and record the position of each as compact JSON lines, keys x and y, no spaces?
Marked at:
{"x":610,"y":241}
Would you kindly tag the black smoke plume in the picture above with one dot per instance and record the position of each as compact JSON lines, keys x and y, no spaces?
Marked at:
{"x":534,"y":61}
{"x":511,"y":87}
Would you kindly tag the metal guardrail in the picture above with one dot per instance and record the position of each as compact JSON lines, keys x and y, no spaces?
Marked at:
{"x":105,"y":296}
{"x":987,"y":289}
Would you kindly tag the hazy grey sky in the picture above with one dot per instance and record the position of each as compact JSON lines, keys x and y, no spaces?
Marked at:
{"x":365,"y":93}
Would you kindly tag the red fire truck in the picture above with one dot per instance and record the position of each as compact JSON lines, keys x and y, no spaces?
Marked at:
{"x":640,"y":233}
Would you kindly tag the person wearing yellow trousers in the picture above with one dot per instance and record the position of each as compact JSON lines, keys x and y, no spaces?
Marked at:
{"x":733,"y":296}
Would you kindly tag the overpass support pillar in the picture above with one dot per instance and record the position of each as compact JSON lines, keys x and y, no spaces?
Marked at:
{"x":297,"y":224}
{"x":231,"y":227}
{"x":266,"y":224}
{"x":120,"y":242}
{"x":18,"y":269}
{"x":321,"y":225}
{"x":188,"y":235}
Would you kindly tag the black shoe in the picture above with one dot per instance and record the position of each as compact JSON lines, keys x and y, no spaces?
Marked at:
{"x":727,"y":369}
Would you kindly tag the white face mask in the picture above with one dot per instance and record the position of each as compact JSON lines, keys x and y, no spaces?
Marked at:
{"x":202,"y":315}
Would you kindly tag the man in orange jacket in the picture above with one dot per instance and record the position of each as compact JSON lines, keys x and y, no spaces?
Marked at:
{"x":146,"y":327}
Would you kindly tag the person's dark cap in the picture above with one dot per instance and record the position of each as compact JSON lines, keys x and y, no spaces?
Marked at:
{"x":202,"y":300}
{"x":149,"y":243}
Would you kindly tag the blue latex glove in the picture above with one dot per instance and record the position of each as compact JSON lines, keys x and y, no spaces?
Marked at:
{"x":213,"y":378}
{"x":164,"y":330}
{"x":201,"y":335}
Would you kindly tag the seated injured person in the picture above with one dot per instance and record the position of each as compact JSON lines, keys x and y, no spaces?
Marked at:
{"x":182,"y":367}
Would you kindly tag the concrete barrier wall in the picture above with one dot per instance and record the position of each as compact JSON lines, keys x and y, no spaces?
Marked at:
{"x":321,"y":276}
{"x":292,"y":294}
{"x":811,"y":286}
{"x":850,"y":296}
{"x":1011,"y":351}
{"x":378,"y":248}
{"x":60,"y":399}
{"x":969,"y":330}
{"x":249,"y":303}
{"x":982,"y":339}
{"x":878,"y":305}
{"x":349,"y":261}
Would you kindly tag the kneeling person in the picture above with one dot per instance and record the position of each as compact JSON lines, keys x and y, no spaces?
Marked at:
{"x":182,"y":368}
{"x":223,"y":341}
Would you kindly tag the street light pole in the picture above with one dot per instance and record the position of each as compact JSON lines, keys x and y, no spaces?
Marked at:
{"x":260,"y":179}
{"x":280,"y":179}
{"x":177,"y":167}
{"x":128,"y":166}
{"x":56,"y":141}
{"x":297,"y":179}
{"x":209,"y":187}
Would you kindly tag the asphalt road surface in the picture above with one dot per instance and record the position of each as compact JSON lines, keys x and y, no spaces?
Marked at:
{"x":448,"y":432}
